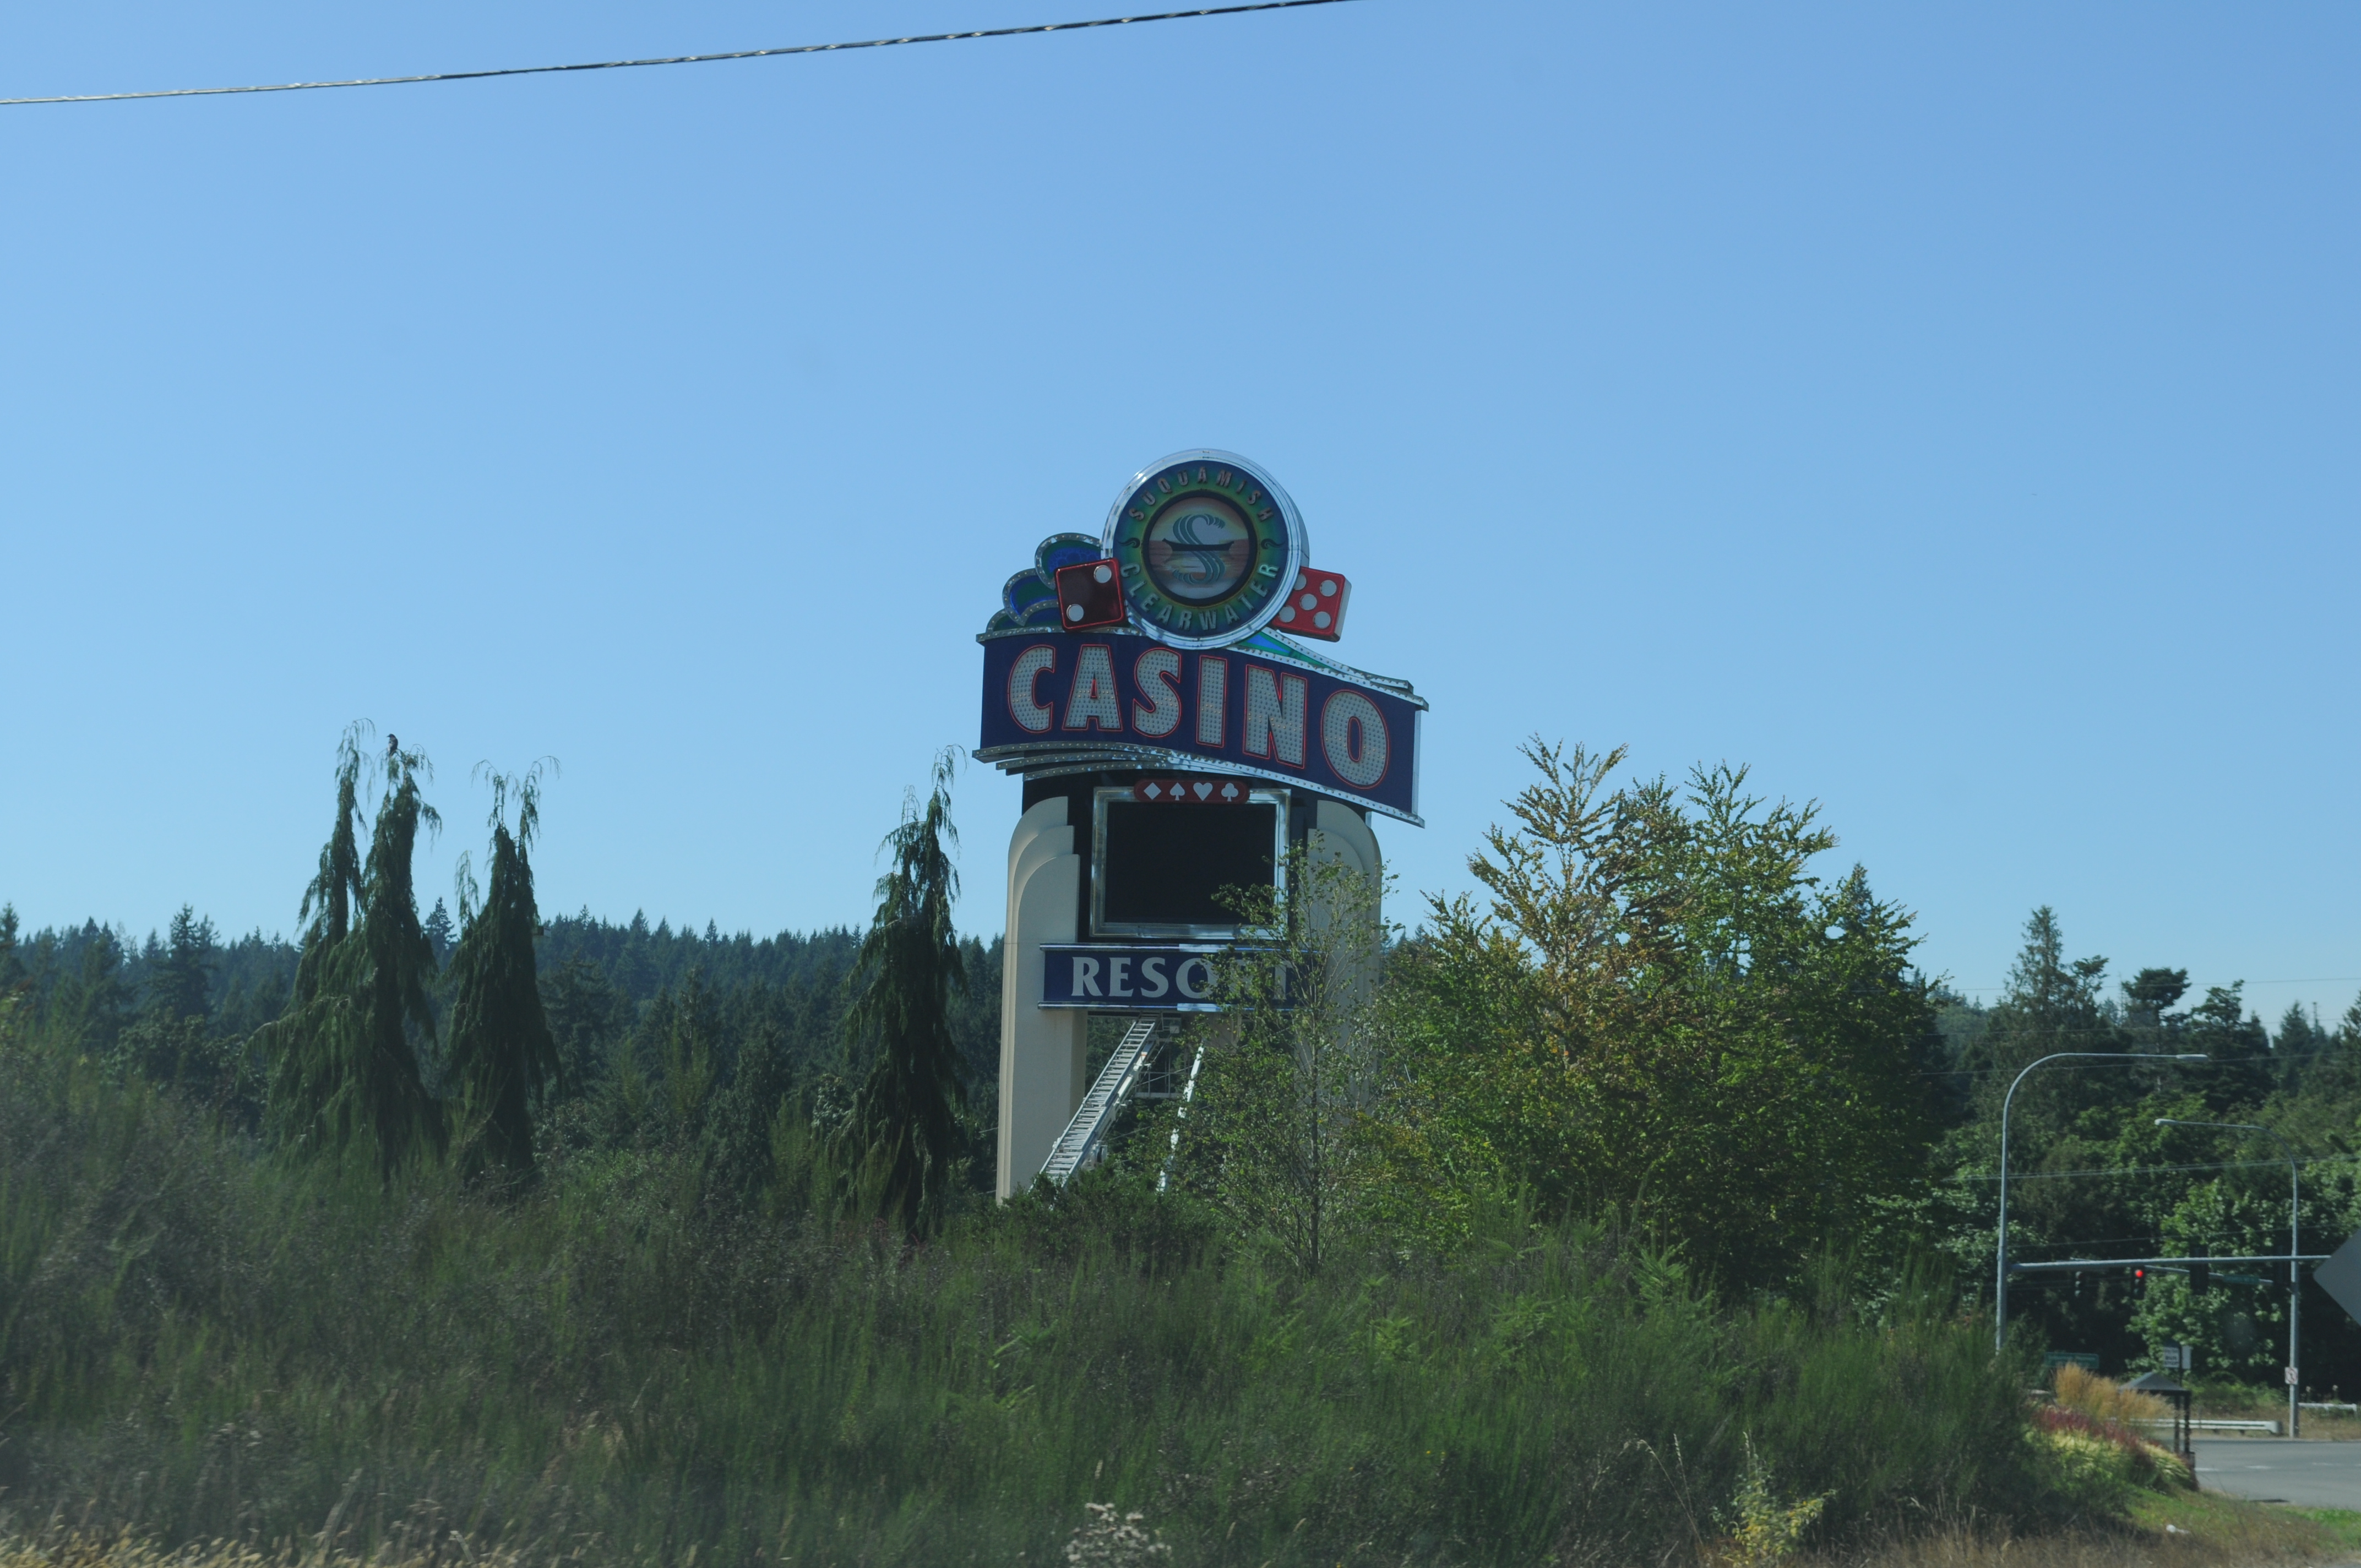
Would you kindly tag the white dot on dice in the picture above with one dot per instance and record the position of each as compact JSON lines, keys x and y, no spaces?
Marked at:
{"x":1073,"y":612}
{"x":1103,"y":575}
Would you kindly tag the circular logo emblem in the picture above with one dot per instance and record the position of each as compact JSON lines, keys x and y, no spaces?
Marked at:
{"x":1207,"y":543}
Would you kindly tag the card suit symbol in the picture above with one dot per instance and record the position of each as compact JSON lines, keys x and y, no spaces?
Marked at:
{"x":1204,"y":790}
{"x":1229,"y":792}
{"x":1154,"y":791}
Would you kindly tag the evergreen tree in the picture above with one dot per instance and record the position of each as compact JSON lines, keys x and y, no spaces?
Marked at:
{"x":307,"y":1072}
{"x":2240,"y":1074}
{"x":12,"y":966}
{"x":94,"y":1004}
{"x":2297,"y":1046}
{"x":588,"y":1015}
{"x":901,"y":1139}
{"x":394,"y":964}
{"x":441,"y":932}
{"x":2149,"y":996}
{"x":344,"y":1053}
{"x":503,"y":1054}
{"x":180,"y":986}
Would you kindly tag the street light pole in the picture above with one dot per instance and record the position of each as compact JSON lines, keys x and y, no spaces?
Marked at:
{"x":2000,"y":1286}
{"x":2295,"y":1222}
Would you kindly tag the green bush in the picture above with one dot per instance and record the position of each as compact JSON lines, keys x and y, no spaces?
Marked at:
{"x":196,"y":1341}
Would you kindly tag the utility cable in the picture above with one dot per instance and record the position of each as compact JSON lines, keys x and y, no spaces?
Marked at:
{"x":670,"y":59}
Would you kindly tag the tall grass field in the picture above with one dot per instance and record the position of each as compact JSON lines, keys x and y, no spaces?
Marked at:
{"x":202,"y":1343}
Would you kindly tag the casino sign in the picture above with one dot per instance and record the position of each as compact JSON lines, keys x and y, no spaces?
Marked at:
{"x":1170,"y":642}
{"x":1184,"y":734}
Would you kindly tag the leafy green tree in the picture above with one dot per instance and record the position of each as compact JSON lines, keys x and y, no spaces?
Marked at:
{"x":1280,"y":1136}
{"x":1684,"y":1024}
{"x":900,"y":1142}
{"x":345,"y":1054}
{"x":501,"y":1053}
{"x":2239,"y":1324}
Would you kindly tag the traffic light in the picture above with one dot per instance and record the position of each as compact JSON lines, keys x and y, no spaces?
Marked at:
{"x":2139,"y":1282}
{"x":2201,"y":1278}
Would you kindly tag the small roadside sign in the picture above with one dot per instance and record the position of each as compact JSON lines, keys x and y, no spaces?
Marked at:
{"x":2291,"y":1376}
{"x":2341,"y":1277}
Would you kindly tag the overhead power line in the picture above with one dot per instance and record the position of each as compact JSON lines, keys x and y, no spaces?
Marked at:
{"x":674,"y":59}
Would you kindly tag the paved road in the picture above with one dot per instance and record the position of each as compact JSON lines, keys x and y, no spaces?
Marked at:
{"x":2311,"y":1475}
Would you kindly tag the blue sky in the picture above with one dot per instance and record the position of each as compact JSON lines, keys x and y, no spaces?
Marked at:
{"x":1947,"y":411}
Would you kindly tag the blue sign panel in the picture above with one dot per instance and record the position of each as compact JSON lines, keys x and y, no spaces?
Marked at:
{"x":1129,"y":978}
{"x":1261,"y":707}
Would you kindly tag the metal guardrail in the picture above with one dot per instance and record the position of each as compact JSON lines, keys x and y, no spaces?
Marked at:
{"x":2271,"y":1429}
{"x":1081,"y":1142}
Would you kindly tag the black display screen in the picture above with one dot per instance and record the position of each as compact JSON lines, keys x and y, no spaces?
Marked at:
{"x":1166,"y":865}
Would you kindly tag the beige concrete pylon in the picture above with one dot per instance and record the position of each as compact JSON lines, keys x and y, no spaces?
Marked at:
{"x":1044,"y":1051}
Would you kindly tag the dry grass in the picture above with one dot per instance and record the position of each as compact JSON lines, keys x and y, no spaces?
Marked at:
{"x":2106,"y":1399}
{"x":2191,"y":1530}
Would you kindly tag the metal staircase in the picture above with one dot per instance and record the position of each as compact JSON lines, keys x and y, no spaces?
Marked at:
{"x":1080,"y":1143}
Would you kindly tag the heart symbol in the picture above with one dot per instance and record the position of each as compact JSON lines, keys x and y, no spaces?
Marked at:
{"x":1204,"y":790}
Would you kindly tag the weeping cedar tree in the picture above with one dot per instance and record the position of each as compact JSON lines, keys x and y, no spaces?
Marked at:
{"x":899,"y":1141}
{"x":501,"y":1051}
{"x":343,"y":1057}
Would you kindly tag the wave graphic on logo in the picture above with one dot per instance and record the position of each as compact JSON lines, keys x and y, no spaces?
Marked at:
{"x":1198,"y":561}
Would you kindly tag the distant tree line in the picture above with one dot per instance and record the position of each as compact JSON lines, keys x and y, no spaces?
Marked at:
{"x":401,"y":1032}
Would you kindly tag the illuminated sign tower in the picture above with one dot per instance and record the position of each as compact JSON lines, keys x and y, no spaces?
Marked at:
{"x":1177,"y":736}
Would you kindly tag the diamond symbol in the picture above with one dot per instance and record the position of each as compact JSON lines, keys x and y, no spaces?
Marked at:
{"x":1153,"y":791}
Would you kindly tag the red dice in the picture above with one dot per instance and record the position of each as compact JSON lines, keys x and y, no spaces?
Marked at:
{"x":1316,"y":606}
{"x":1090,"y":595}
